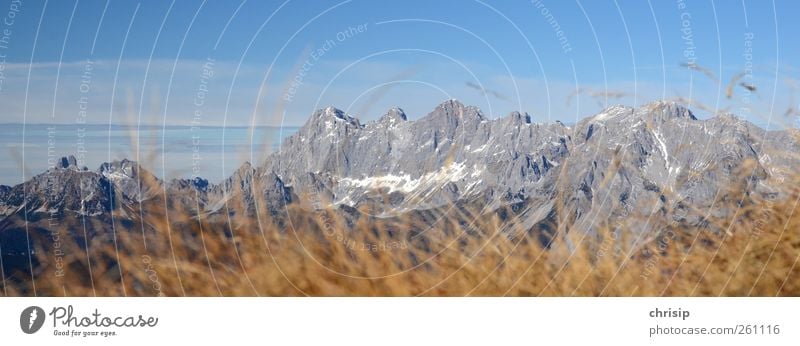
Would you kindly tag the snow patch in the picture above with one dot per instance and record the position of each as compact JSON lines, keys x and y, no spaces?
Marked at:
{"x":405,"y":183}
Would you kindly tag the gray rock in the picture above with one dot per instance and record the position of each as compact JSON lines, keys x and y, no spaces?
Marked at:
{"x":657,"y":161}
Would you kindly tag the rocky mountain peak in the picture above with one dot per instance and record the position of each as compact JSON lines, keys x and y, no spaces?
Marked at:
{"x":123,"y":168}
{"x":667,"y":110}
{"x":451,"y":104}
{"x":68,"y":162}
{"x":393,"y":116}
{"x":520,"y":117}
{"x":454,"y":113}
{"x":134,"y":182}
{"x":338,"y":115}
{"x":329,"y":119}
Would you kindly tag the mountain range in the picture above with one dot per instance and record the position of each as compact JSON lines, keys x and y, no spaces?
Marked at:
{"x":656,"y":161}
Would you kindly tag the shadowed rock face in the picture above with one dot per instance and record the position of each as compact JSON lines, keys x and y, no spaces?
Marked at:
{"x":653,"y":160}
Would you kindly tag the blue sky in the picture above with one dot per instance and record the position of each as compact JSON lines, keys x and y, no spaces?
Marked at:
{"x":557,"y":60}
